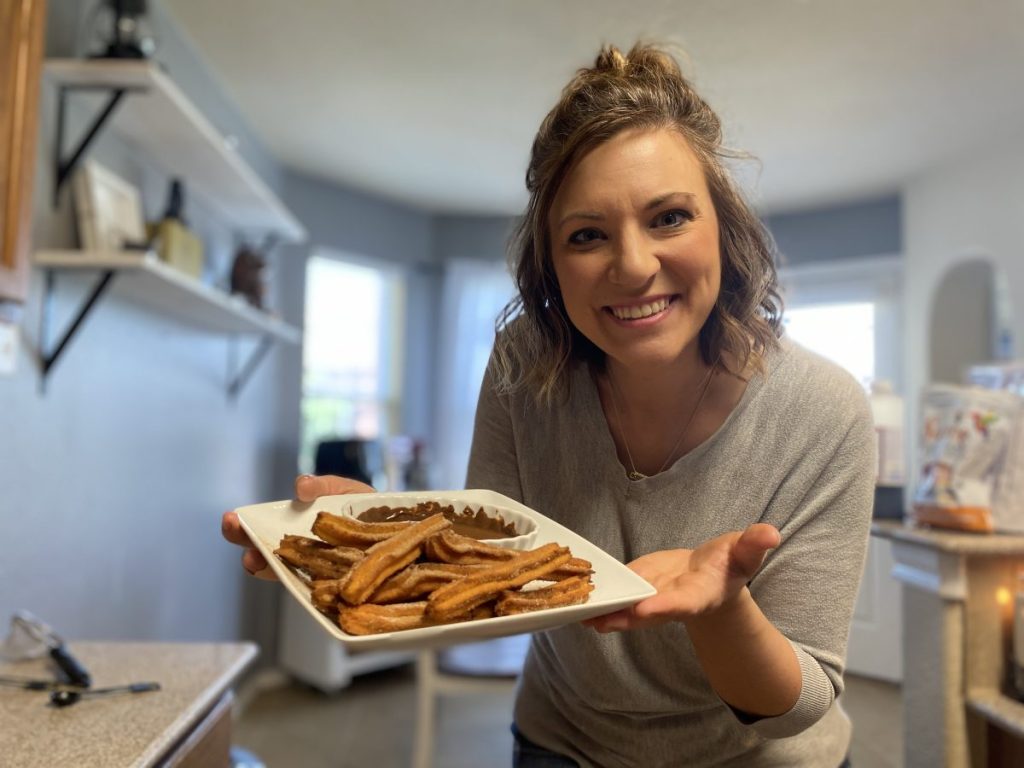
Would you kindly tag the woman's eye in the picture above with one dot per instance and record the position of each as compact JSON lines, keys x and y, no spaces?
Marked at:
{"x":672,"y":218}
{"x":585,"y":236}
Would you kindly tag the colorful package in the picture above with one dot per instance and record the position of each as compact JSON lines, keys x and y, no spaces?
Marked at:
{"x":971,"y":452}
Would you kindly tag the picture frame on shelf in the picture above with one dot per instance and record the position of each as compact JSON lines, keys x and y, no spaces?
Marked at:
{"x":108,"y":210}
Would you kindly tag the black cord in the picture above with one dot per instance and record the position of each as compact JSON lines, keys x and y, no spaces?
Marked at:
{"x":29,"y":684}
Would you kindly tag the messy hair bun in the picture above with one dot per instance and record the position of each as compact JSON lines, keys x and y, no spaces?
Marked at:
{"x":644,"y":89}
{"x":611,"y":57}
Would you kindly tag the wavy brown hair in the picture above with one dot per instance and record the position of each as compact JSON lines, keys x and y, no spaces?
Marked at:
{"x":644,"y":89}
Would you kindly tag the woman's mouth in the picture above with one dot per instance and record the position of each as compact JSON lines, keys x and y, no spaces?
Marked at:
{"x":645,"y":311}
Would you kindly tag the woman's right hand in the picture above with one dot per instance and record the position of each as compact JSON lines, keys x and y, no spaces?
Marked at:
{"x":307,"y":488}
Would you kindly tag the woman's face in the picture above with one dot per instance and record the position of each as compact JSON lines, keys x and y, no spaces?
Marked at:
{"x":634,"y":244}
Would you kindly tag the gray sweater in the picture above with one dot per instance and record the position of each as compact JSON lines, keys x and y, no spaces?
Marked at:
{"x":797,"y":452}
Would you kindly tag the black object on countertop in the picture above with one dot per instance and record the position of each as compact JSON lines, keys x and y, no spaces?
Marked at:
{"x":65,"y":697}
{"x":70,"y":667}
{"x":29,"y":684}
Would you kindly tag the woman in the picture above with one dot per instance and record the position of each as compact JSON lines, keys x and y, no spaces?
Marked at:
{"x":639,"y":393}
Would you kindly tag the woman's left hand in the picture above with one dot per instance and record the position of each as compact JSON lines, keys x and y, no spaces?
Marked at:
{"x":694,"y":582}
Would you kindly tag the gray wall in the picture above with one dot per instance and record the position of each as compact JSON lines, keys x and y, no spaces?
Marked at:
{"x":113,"y":481}
{"x":466,"y":237}
{"x":835,"y":233}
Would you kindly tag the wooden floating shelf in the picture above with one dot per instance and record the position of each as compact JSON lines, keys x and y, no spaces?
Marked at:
{"x":157,"y":117}
{"x":144,"y":278}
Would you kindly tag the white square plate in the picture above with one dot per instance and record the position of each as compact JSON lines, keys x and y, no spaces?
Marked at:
{"x":615,"y":586}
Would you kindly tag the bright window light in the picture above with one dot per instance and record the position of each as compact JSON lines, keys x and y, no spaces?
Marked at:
{"x":843,"y":333}
{"x":350,"y":329}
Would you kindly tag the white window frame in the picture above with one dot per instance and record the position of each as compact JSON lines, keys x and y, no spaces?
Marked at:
{"x":875,"y":279}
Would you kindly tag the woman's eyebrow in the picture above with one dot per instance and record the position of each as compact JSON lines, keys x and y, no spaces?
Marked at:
{"x":662,"y":199}
{"x":655,"y":202}
{"x":588,"y":215}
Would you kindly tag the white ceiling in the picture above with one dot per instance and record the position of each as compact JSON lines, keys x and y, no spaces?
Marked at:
{"x":435,"y":103}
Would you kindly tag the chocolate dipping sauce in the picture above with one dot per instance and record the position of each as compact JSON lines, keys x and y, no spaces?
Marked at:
{"x":477,"y":525}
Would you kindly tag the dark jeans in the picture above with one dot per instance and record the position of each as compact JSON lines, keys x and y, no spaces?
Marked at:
{"x":526,"y":754}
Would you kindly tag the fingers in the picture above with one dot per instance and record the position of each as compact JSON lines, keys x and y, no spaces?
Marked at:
{"x":256,"y":565}
{"x":231,"y":530}
{"x":307,"y":488}
{"x":610,"y":622}
{"x":311,"y":487}
{"x":252,"y":560}
{"x":751,"y":547}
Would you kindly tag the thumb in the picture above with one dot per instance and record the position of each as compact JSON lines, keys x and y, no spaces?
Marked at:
{"x":311,"y":487}
{"x":751,"y":547}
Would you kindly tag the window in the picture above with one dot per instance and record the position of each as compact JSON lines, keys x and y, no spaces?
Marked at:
{"x":843,"y":333}
{"x":352,"y":352}
{"x":848,"y":312}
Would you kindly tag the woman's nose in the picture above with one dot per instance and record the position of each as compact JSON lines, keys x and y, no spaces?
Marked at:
{"x":634,"y":261}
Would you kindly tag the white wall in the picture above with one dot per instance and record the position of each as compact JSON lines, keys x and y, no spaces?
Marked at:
{"x":972,"y":205}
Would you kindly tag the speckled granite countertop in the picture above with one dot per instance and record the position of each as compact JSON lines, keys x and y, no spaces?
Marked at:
{"x":950,"y":541}
{"x":120,"y":729}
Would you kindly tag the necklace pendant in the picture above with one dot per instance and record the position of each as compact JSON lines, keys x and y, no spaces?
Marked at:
{"x":634,"y":475}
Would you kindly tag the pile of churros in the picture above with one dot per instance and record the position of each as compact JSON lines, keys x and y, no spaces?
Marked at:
{"x":387,"y":577}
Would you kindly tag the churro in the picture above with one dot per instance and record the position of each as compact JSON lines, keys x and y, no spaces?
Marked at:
{"x":388,"y":557}
{"x":450,"y":547}
{"x":372,"y":619}
{"x":460,"y":597}
{"x":417,"y":580}
{"x":571,"y":591}
{"x":319,"y":560}
{"x":324,"y":594}
{"x":349,"y":532}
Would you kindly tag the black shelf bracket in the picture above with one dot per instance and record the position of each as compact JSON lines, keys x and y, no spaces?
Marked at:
{"x":64,"y":165}
{"x":48,"y":359}
{"x":237,"y":377}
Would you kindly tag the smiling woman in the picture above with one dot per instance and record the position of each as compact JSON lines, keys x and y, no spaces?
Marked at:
{"x":21,"y":47}
{"x":640,"y":393}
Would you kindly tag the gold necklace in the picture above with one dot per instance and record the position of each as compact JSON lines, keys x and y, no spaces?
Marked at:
{"x":633,"y":473}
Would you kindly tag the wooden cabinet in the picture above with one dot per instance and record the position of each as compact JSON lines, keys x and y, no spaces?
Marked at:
{"x":21,"y":48}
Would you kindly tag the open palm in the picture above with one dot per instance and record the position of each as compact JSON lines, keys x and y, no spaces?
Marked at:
{"x":692,"y":582}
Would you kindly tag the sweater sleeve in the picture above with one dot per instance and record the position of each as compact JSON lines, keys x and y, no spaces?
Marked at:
{"x":493,"y":464}
{"x":808,"y":585}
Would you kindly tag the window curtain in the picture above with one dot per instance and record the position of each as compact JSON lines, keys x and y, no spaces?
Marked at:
{"x":473,"y":294}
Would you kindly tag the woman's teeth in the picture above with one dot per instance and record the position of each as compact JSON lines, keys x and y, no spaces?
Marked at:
{"x":643,"y":310}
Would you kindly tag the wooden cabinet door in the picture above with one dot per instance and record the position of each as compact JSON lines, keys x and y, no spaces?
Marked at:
{"x":21,"y":53}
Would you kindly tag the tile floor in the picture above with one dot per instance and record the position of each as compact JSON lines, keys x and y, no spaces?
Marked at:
{"x":371,"y":723}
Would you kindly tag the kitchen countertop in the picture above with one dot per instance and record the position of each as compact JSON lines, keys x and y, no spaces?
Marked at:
{"x":958,"y":542}
{"x":131,"y":729}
